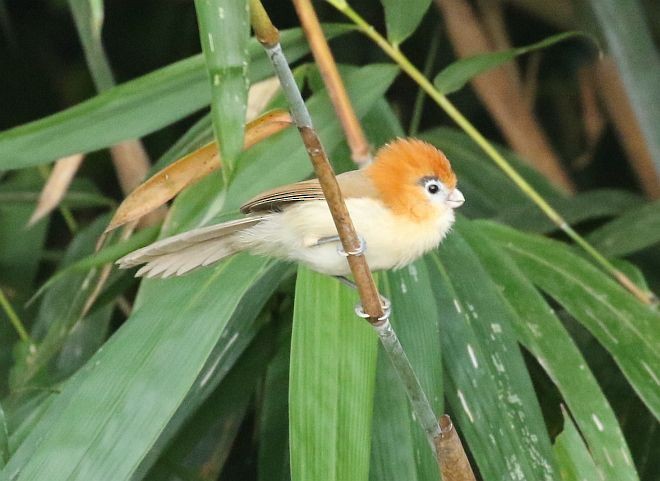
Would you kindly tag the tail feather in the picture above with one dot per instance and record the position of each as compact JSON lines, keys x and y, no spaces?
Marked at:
{"x":182,"y":253}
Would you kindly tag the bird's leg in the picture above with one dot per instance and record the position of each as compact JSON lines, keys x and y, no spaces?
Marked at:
{"x":384,"y":301}
{"x":340,"y":250}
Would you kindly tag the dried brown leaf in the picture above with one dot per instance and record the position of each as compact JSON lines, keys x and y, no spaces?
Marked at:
{"x":167,"y":183}
{"x":56,"y":186}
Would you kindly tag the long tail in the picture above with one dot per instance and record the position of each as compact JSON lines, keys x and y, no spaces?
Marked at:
{"x":182,"y":253}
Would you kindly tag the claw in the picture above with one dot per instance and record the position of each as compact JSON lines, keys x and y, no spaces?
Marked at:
{"x":385,"y":303}
{"x":357,"y":252}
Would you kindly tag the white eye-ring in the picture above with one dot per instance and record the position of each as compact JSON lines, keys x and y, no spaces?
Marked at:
{"x":433,"y":186}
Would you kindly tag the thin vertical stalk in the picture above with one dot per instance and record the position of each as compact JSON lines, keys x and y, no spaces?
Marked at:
{"x":267,"y":35}
{"x":421,"y":94}
{"x":487,"y":147}
{"x":357,"y":141}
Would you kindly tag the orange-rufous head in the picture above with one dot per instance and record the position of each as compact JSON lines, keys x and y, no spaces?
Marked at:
{"x":414,"y":179}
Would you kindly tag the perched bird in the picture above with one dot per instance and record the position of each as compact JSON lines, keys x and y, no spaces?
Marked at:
{"x":401,"y":206}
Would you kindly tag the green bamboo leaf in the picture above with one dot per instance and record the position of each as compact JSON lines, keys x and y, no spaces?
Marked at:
{"x":487,"y":383}
{"x":623,"y":325}
{"x":631,"y":43}
{"x":573,"y":457}
{"x":153,"y":356}
{"x":454,"y":77}
{"x":202,"y":445}
{"x":590,"y":205}
{"x":402,"y":17}
{"x":542,"y":333}
{"x":400,"y":447}
{"x":333,"y":366}
{"x":224,"y":31}
{"x":635,"y":230}
{"x":132,"y":109}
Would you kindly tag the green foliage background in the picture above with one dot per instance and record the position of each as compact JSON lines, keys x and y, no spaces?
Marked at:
{"x":252,"y":370}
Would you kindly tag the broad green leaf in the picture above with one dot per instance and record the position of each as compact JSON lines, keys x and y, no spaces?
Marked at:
{"x":488,"y":191}
{"x":333,"y":366}
{"x":487,"y":383}
{"x":631,"y":43}
{"x":635,"y":230}
{"x":623,"y":325}
{"x":573,"y":457}
{"x":579,"y":208}
{"x":542,"y":333}
{"x":202,"y":445}
{"x":224,"y":32}
{"x":128,"y":391}
{"x":402,"y":17}
{"x":456,"y":75}
{"x":400,"y":449}
{"x":132,"y":109}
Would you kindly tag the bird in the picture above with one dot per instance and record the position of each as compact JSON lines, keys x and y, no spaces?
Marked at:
{"x":401,"y":204}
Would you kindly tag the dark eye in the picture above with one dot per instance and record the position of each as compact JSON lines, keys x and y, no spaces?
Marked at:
{"x":433,"y":188}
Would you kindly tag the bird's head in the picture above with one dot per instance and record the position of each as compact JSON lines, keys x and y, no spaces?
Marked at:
{"x":415,"y":179}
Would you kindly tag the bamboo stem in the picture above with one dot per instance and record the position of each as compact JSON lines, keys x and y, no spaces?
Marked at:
{"x":357,"y":141}
{"x":350,"y":242}
{"x":405,"y":64}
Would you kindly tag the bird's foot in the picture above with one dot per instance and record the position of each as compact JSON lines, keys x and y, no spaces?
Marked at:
{"x":361,"y":249}
{"x":385,"y":303}
{"x":359,"y":310}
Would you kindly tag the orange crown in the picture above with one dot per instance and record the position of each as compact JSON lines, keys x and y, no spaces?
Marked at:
{"x":397,"y":169}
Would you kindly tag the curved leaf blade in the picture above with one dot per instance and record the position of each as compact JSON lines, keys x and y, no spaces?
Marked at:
{"x":542,"y":333}
{"x":487,"y":384}
{"x":402,"y":17}
{"x":132,"y":109}
{"x":454,"y":77}
{"x":624,"y":326}
{"x":104,"y":407}
{"x":635,"y":230}
{"x":573,"y":457}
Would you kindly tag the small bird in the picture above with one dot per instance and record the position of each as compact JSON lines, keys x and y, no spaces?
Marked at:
{"x":402,"y":205}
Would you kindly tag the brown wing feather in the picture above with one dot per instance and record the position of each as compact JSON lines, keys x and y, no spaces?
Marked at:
{"x":352,"y":184}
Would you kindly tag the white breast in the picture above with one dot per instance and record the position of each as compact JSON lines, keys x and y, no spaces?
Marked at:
{"x":392,"y":240}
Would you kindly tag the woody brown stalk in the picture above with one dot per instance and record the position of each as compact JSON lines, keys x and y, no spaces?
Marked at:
{"x":452,"y":460}
{"x":267,"y":34}
{"x":360,"y":150}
